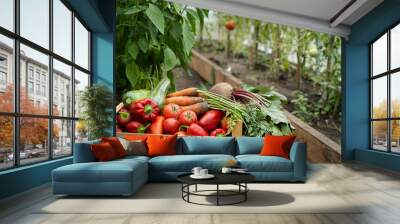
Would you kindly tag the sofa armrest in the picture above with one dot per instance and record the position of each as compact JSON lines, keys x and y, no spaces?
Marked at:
{"x":298,"y":155}
{"x":83,"y":152}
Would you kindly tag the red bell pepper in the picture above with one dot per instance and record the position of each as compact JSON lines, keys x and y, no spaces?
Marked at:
{"x":196,"y":130}
{"x":156,"y":126}
{"x":211,"y":119}
{"x":219,"y":132}
{"x":146,"y":109}
{"x":123,"y":117}
{"x":135,"y":127}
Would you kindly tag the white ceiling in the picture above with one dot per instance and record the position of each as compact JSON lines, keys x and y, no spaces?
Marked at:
{"x":318,"y":15}
{"x":321,"y":9}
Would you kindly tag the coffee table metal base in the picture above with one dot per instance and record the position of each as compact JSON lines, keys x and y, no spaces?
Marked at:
{"x":219,"y":193}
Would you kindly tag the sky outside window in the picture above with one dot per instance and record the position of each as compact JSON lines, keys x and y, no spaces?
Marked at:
{"x":62,"y":29}
{"x":379,"y":56}
{"x":35,"y":21}
{"x":7,"y":14}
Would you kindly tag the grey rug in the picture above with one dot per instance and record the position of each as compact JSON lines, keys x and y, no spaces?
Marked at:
{"x":166,"y":198}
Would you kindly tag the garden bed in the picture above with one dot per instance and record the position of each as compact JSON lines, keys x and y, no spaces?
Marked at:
{"x":284,"y":84}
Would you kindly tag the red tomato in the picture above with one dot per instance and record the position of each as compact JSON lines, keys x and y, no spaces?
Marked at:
{"x":172,"y":110}
{"x":171,"y":125}
{"x":230,"y":25}
{"x":187,"y":117}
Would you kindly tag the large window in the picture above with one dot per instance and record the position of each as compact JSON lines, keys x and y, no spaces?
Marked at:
{"x":44,"y":64}
{"x":385,"y":91}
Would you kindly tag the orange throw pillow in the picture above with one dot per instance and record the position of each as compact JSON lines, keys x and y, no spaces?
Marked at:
{"x":116,"y":145}
{"x":136,"y":137}
{"x":103,"y":152}
{"x":277,"y":145}
{"x":161,"y":145}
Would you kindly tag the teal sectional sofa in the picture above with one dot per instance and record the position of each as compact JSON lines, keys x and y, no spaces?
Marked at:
{"x":125,"y":176}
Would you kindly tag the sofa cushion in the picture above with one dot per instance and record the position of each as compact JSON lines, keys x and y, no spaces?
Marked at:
{"x":185,"y":163}
{"x":257,"y":163}
{"x":160,"y":145}
{"x":117,"y":146}
{"x":248,"y":145}
{"x":103,"y":151}
{"x":131,"y":158}
{"x":277,"y":145}
{"x":134,"y":147}
{"x":208,"y":145}
{"x":113,"y":171}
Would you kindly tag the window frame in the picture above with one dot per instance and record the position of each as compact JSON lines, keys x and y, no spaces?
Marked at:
{"x":388,"y":74}
{"x":16,"y":114}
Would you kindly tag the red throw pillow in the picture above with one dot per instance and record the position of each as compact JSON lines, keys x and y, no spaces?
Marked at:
{"x":277,"y":145}
{"x":103,"y":151}
{"x":161,"y":145}
{"x":116,"y":145}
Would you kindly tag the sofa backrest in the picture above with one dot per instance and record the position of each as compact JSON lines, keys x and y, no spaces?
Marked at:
{"x":249,"y":145}
{"x":190,"y":145}
{"x":206,"y":145}
{"x":83,"y":152}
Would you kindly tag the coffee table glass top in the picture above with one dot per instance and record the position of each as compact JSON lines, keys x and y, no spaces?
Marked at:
{"x":220,"y":178}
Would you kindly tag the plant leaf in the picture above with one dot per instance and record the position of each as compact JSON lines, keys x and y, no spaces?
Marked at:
{"x":277,"y":116}
{"x":176,"y":30}
{"x":132,"y":73}
{"x":201,"y":17}
{"x":170,"y":59}
{"x":193,"y":18}
{"x":143,"y":44}
{"x":156,"y":17}
{"x":188,"y":38}
{"x":134,"y":10}
{"x":133,"y":50}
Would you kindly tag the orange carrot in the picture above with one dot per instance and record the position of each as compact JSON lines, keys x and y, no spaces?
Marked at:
{"x":198,"y":108}
{"x":184,"y":92}
{"x":156,"y":126}
{"x":184,"y":100}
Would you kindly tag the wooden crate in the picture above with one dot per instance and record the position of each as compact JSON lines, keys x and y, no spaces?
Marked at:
{"x":238,"y":129}
{"x":236,"y":132}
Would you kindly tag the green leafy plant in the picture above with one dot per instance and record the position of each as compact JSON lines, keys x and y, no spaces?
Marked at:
{"x":266,"y":118}
{"x":306,"y":60}
{"x":303,"y":108}
{"x":153,"y":37}
{"x":96,"y":102}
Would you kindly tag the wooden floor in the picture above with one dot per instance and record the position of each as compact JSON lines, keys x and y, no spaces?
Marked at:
{"x":379,"y":189}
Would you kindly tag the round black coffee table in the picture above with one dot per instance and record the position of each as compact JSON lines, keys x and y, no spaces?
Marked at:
{"x":238,"y":179}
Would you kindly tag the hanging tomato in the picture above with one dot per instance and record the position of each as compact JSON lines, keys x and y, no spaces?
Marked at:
{"x":230,"y":25}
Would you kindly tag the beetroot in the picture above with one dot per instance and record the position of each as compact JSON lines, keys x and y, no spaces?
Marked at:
{"x":223,"y":89}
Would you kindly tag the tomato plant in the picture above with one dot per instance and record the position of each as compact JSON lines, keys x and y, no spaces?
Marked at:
{"x":153,"y":37}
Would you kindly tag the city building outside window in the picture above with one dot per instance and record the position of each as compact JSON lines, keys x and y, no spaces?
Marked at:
{"x":30,"y":72}
{"x":43,"y":90}
{"x":58,"y":125}
{"x":3,"y":78}
{"x":3,"y":72}
{"x":38,"y":89}
{"x":30,"y":87}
